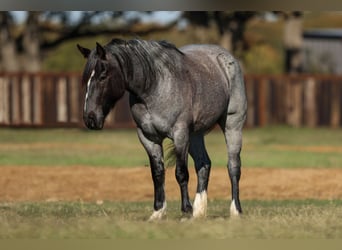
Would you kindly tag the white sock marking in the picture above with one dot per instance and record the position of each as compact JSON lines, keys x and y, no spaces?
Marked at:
{"x":200,"y":205}
{"x":88,"y":87}
{"x":158,"y":214}
{"x":233,"y":210}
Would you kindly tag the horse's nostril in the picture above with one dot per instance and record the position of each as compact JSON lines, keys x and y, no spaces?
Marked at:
{"x":90,"y":120}
{"x":92,"y":115}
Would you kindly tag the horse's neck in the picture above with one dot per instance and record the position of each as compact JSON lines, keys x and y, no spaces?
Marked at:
{"x":140,"y":81}
{"x":146,"y":75}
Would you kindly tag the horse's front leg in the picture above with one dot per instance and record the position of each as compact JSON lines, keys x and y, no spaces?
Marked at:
{"x":181,"y":142}
{"x":155,"y":154}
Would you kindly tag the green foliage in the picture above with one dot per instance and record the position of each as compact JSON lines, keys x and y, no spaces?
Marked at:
{"x":66,"y":57}
{"x":264,"y":39}
{"x":263,"y":59}
{"x":262,"y":147}
{"x":306,"y":219}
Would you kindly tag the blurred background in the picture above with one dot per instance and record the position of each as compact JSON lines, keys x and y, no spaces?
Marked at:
{"x":292,"y":61}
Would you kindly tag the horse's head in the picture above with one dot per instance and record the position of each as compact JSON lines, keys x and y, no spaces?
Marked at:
{"x":104,"y":84}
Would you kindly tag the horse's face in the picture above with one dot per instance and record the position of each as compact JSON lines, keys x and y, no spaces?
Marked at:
{"x":104,"y":84}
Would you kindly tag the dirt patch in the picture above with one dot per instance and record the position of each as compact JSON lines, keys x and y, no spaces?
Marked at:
{"x":20,"y":183}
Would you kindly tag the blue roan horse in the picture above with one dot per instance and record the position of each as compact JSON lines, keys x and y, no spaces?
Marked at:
{"x":176,"y":93}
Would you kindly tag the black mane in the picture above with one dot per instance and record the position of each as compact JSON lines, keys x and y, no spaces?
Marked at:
{"x":154,"y":57}
{"x":135,"y":42}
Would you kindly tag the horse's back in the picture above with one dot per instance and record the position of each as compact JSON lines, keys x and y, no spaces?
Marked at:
{"x":209,"y":49}
{"x":217,"y":60}
{"x":217,"y":81}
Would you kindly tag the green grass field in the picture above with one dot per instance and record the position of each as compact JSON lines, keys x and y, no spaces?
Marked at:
{"x":276,"y":147}
{"x":263,"y":147}
{"x":261,"y":220}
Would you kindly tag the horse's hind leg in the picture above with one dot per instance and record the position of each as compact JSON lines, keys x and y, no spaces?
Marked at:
{"x":232,"y":129}
{"x":202,"y":165}
{"x":155,"y":154}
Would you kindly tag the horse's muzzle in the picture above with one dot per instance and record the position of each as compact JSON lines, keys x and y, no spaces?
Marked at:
{"x":92,"y":121}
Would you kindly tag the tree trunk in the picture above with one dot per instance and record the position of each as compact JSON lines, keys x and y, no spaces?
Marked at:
{"x":31,"y":58}
{"x":8,"y":50}
{"x":293,"y":43}
{"x":226,"y":40}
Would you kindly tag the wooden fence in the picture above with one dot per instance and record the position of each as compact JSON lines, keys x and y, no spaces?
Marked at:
{"x":304,"y":100}
{"x":56,"y":100}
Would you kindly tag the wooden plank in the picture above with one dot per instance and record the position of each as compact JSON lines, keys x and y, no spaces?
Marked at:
{"x":273,"y":104}
{"x":62,"y":110}
{"x":281,"y":101}
{"x":294,"y":103}
{"x":26,"y":100}
{"x":325,"y":104}
{"x":75,"y":91}
{"x":310,"y":103}
{"x":263,"y":102}
{"x":49,"y":101}
{"x":335,"y":116}
{"x":4,"y":101}
{"x":15,"y":101}
{"x":298,"y":106}
{"x":250,"y":122}
{"x":37,"y":101}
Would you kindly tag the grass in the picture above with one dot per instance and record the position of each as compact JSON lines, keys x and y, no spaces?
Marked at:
{"x":304,"y":219}
{"x":282,"y":147}
{"x":263,"y":147}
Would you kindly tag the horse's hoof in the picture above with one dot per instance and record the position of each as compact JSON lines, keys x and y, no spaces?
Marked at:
{"x":234,"y":212}
{"x":187,"y":210}
{"x":200,"y":205}
{"x":158,"y":214}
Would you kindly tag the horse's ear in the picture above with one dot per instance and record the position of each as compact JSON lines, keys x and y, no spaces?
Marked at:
{"x":85,"y":52}
{"x":100,"y":51}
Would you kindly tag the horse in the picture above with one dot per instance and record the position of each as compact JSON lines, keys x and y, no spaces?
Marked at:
{"x":175,"y":93}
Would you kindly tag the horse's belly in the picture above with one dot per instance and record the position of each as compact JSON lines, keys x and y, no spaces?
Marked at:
{"x":208,"y":117}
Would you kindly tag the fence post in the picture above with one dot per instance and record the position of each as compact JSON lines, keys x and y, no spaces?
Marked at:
{"x":310,"y":103}
{"x":250,"y":122}
{"x":15,"y":103}
{"x":62,"y":109}
{"x":26,"y":96}
{"x":263,"y":102}
{"x":335,"y":105}
{"x":4,"y":100}
{"x":74,"y":99}
{"x":37,"y":100}
{"x":294,"y":103}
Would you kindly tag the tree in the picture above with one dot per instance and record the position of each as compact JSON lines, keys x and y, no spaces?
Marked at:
{"x":230,"y":26}
{"x":293,"y":41}
{"x":22,"y":47}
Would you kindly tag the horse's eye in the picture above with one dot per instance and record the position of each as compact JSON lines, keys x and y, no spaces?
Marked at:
{"x":103,"y":76}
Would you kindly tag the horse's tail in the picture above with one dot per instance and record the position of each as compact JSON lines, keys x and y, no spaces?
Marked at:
{"x":170,"y":154}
